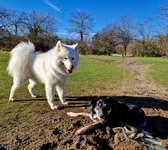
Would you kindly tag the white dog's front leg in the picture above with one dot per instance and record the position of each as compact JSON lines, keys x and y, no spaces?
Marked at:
{"x":60,"y":91}
{"x":50,"y":95}
{"x":12,"y":92}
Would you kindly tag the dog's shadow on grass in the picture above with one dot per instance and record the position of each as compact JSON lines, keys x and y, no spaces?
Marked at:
{"x":73,"y":101}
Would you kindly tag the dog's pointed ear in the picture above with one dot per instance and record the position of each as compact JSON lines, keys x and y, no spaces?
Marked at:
{"x":58,"y":46}
{"x":93,"y":101}
{"x":74,"y":46}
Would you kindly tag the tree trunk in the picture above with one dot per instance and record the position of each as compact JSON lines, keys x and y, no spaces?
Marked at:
{"x":124,"y":53}
{"x":16,"y":29}
{"x":81,"y":36}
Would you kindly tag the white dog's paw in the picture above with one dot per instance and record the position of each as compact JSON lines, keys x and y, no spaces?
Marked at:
{"x":72,"y":114}
{"x":33,"y":96}
{"x":54,"y":107}
{"x":65,"y":103}
{"x":11,"y":99}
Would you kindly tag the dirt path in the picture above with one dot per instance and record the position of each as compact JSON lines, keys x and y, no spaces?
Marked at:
{"x":153,"y":98}
{"x":138,"y":85}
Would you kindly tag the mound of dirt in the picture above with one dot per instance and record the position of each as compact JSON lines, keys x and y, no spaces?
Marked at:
{"x":56,"y":130}
{"x":100,"y":138}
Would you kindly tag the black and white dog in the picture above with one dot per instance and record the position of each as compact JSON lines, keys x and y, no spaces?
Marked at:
{"x":114,"y":113}
{"x":110,"y":112}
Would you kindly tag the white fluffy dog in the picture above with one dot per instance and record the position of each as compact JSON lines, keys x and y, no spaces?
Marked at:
{"x":51,"y":68}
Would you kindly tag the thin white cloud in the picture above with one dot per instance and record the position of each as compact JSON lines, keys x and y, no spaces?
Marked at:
{"x":62,"y":33}
{"x":48,"y":2}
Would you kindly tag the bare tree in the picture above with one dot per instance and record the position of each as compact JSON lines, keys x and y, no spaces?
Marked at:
{"x":124,"y":32}
{"x":16,"y":21}
{"x":4,"y":17}
{"x":145,"y":33}
{"x":81,"y":24}
{"x":39,"y":24}
{"x":4,"y":14}
{"x":48,"y":26}
{"x":164,"y":17}
{"x":121,"y":33}
{"x":105,"y":42}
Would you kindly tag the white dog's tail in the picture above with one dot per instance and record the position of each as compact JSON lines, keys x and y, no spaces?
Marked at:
{"x":21,"y":57}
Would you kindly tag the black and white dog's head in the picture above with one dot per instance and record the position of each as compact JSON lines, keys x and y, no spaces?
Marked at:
{"x":106,"y":109}
{"x":101,"y":109}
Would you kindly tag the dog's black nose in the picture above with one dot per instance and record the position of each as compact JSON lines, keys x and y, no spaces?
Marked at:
{"x":70,"y":70}
{"x":102,"y":116}
{"x":72,"y":67}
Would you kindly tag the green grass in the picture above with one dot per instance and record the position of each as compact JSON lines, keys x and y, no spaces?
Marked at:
{"x":94,"y":72}
{"x":10,"y":110}
{"x":158,"y":69}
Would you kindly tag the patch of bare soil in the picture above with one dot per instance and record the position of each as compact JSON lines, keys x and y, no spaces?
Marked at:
{"x":55,"y":130}
{"x":138,"y":85}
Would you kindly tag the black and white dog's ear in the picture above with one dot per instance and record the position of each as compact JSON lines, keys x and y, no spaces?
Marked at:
{"x":93,"y":101}
{"x":111,"y":101}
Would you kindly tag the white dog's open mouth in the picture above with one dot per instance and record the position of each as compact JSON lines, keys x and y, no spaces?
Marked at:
{"x":65,"y":70}
{"x":68,"y":71}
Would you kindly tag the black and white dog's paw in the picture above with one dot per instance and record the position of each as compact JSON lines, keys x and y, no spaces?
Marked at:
{"x":72,"y":114}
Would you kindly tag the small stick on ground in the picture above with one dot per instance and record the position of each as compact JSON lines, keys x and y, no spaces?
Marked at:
{"x":86,"y":128}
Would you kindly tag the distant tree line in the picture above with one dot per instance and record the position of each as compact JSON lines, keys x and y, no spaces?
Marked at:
{"x":125,"y":36}
{"x":128,"y":37}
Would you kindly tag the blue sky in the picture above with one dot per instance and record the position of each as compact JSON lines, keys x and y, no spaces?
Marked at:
{"x":103,"y":11}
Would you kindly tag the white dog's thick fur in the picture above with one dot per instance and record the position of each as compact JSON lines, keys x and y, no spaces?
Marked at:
{"x":51,"y":68}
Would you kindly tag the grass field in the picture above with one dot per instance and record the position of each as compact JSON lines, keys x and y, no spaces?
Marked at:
{"x":158,"y":69}
{"x":96,"y":72}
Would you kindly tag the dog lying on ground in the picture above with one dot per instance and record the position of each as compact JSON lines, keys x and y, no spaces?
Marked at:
{"x":123,"y":118}
{"x":111,"y":112}
{"x":128,"y":120}
{"x":50,"y":68}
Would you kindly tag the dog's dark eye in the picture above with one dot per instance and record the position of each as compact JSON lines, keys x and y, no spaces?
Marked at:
{"x":65,"y":58}
{"x":105,"y":105}
{"x":72,"y":58}
{"x":99,"y":104}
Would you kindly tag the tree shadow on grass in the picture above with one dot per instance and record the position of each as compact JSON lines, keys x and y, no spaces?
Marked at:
{"x":145,"y":102}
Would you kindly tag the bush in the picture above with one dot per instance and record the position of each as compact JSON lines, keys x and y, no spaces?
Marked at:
{"x":41,"y":43}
